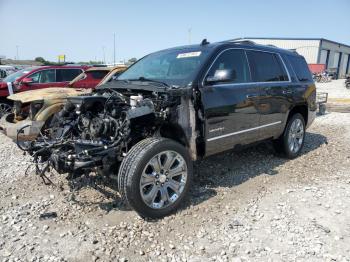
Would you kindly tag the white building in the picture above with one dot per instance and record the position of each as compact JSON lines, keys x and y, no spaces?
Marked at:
{"x":334,"y":55}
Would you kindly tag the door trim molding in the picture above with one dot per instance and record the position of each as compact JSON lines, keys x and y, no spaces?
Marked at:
{"x":243,"y":131}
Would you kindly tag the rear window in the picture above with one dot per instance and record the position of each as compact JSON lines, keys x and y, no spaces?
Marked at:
{"x":63,"y":75}
{"x":300,"y":68}
{"x":97,"y":74}
{"x":266,"y":67}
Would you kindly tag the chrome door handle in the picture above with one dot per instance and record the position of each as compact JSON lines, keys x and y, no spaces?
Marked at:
{"x":252,"y":96}
{"x":287,"y":92}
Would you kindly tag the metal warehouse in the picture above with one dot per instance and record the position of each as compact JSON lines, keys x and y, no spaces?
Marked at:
{"x":333,"y":55}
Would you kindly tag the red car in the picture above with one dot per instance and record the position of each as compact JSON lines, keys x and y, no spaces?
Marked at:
{"x":32,"y":78}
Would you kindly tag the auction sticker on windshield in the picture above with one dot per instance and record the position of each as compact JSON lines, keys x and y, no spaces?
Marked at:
{"x":190,"y":54}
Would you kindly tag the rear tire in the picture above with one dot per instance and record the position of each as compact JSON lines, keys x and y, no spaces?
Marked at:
{"x":155,"y":177}
{"x":291,"y":142}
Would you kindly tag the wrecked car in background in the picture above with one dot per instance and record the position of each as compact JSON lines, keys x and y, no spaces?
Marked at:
{"x":36,"y":77}
{"x":6,"y":70}
{"x":33,"y":110}
{"x":172,"y":107}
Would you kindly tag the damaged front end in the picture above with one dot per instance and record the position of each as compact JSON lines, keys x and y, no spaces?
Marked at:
{"x":93,"y":133}
{"x":20,"y":124}
{"x":33,"y":110}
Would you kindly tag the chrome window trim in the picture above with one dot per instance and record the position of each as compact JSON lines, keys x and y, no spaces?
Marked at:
{"x":248,"y":83}
{"x":243,"y":131}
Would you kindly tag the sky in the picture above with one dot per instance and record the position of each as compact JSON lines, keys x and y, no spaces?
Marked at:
{"x":83,"y":30}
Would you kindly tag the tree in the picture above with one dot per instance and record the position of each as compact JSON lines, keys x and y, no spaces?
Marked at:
{"x":40,"y":60}
{"x":132,"y":60}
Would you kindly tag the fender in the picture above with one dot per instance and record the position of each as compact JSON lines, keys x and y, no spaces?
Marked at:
{"x":50,"y":110}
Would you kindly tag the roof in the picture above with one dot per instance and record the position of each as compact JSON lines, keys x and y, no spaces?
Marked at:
{"x":233,"y":42}
{"x":38,"y":68}
{"x":99,"y":69}
{"x":293,"y":38}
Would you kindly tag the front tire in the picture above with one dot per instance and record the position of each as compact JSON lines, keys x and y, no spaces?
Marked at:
{"x":5,"y":108}
{"x":291,"y":141}
{"x":155,"y":177}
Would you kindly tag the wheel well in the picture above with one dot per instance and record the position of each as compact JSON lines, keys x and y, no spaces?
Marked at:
{"x":174,"y":132}
{"x":301,"y":109}
{"x":6,"y":101}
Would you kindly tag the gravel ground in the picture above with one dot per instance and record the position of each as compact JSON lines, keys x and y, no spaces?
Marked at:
{"x":244,"y":206}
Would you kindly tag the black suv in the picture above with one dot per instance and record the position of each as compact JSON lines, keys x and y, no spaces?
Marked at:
{"x":144,"y":129}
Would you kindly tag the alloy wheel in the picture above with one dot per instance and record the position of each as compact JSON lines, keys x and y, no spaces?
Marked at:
{"x":296,"y":135}
{"x":163,"y":179}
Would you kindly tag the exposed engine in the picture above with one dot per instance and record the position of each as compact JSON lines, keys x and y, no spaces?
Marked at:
{"x":93,"y":133}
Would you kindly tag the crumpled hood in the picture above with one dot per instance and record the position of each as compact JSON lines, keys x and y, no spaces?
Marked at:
{"x":47,"y":94}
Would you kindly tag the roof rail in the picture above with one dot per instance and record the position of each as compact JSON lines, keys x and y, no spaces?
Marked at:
{"x":242,"y":42}
{"x":205,"y":42}
{"x":294,"y":51}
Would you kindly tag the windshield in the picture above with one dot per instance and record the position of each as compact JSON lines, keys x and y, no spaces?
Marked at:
{"x":13,"y":77}
{"x":173,"y":67}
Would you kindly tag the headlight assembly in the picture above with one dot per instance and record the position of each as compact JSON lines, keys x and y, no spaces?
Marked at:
{"x":35,"y":108}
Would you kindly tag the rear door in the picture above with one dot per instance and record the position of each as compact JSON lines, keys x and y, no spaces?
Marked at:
{"x":230,"y":107}
{"x":270,"y":73}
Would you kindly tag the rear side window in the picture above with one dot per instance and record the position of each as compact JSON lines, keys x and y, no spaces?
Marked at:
{"x":97,"y":74}
{"x":234,"y":60}
{"x":266,"y":67}
{"x":300,"y":68}
{"x":64,"y":75}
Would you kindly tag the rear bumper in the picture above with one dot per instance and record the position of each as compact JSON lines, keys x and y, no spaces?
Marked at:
{"x":29,"y":130}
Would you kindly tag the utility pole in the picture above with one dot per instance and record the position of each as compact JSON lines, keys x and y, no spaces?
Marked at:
{"x":104,"y":55}
{"x":114,"y":49}
{"x":17,"y":58}
{"x":189,"y":35}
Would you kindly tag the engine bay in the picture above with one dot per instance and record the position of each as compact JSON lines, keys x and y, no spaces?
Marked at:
{"x":93,"y":133}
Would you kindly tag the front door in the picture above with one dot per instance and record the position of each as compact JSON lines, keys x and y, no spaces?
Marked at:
{"x":40,"y":79}
{"x":230,"y":107}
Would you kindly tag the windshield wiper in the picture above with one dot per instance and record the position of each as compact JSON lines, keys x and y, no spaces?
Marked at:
{"x":144,"y":79}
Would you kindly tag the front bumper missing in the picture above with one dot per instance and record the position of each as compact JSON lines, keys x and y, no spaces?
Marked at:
{"x":29,"y":130}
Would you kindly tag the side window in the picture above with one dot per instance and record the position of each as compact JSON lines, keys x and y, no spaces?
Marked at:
{"x":236,"y":62}
{"x":97,"y":74}
{"x":44,"y":76}
{"x":47,"y":76}
{"x":64,"y":75}
{"x":266,"y":67}
{"x":35,"y":77}
{"x":300,"y":68}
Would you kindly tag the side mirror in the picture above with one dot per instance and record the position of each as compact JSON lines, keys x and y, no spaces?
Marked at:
{"x":27,"y":81}
{"x":222,"y":75}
